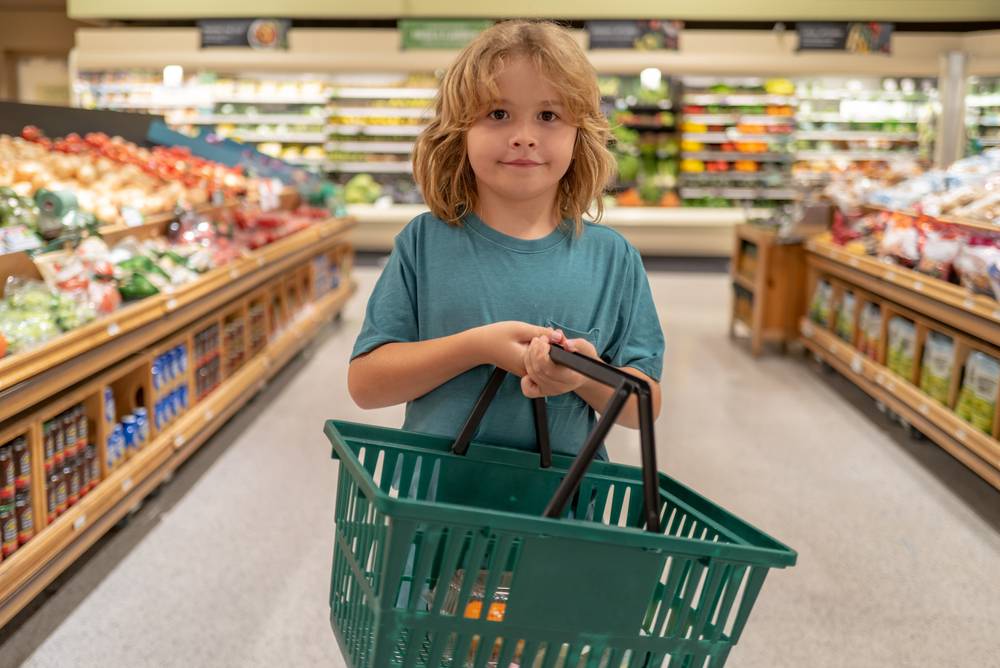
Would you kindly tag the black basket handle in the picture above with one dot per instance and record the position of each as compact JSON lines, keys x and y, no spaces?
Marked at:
{"x":624,"y":386}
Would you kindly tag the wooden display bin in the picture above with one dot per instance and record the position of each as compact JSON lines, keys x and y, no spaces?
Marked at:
{"x":930,"y":404}
{"x":235,"y":340}
{"x":773,"y":273}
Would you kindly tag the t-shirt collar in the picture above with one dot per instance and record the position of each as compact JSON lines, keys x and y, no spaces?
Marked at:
{"x":556,"y":237}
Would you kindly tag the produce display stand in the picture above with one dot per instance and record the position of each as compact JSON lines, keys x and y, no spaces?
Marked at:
{"x":971,"y":321}
{"x":768,"y":277}
{"x":281,"y":293}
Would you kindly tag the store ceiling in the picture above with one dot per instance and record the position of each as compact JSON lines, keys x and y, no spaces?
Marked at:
{"x":705,"y":10}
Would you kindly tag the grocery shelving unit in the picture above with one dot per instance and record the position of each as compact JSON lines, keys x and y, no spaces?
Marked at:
{"x":972,"y":322}
{"x":736,"y":134}
{"x":983,"y":113}
{"x":844,"y":121}
{"x":768,"y":277}
{"x":113,"y":366}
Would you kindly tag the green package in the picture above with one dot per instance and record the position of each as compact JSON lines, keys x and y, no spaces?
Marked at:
{"x":939,"y":358}
{"x":845,"y":318}
{"x":977,"y":402}
{"x":902,"y":346}
{"x":819,"y":308}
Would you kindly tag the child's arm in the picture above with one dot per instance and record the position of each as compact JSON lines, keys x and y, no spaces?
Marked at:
{"x":546,"y":378}
{"x":395,"y":373}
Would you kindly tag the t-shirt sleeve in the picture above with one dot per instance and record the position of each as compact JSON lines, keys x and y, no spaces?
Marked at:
{"x":391,"y":314}
{"x":638,"y":338}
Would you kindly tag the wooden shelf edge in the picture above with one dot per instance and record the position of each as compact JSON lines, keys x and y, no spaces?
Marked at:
{"x":39,"y":561}
{"x":949,"y":430}
{"x":744,"y":282}
{"x":981,"y":226}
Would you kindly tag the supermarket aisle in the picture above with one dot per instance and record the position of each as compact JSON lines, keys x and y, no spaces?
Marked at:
{"x":899,"y":544}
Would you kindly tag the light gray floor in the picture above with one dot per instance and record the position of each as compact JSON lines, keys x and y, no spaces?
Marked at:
{"x":229,"y":565}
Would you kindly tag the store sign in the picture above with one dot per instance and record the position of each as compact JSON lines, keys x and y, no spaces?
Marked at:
{"x":262,"y":34}
{"x":441,"y":34}
{"x":849,"y":37}
{"x":641,"y":35}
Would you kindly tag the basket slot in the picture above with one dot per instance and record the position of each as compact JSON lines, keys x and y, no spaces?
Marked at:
{"x":508,"y":651}
{"x":552,"y":651}
{"x":500,"y":559}
{"x":753,"y":584}
{"x":709,"y":597}
{"x":427,"y":550}
{"x":441,"y":641}
{"x":454,"y":547}
{"x":691,"y":589}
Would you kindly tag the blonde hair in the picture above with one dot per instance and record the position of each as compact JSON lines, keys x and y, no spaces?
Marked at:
{"x":440,"y":161}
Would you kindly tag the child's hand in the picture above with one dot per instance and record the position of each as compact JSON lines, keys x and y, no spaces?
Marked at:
{"x":545,"y":378}
{"x":506,"y":343}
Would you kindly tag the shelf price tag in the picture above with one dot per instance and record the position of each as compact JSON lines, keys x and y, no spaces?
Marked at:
{"x":857,"y":366}
{"x":918,"y":286}
{"x":808,"y":329}
{"x":171,"y":304}
{"x":234,"y":273}
{"x":79,"y":522}
{"x":969,"y":304}
{"x":127,"y":484}
{"x":178,"y":440}
{"x":114,"y":329}
{"x":925,"y":409}
{"x":209,"y":414}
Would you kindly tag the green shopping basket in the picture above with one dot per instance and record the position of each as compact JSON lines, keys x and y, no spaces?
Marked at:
{"x":447,"y":557}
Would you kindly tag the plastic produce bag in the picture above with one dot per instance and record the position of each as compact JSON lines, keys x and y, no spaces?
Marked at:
{"x":939,"y":358}
{"x":977,"y":400}
{"x":870,"y":329}
{"x":819,"y":308}
{"x":844,"y":326}
{"x":902,"y":346}
{"x":901,"y":242}
{"x":940,"y":250}
{"x":974,"y":262}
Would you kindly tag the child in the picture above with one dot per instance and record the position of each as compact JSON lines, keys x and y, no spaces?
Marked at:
{"x":504,"y":264}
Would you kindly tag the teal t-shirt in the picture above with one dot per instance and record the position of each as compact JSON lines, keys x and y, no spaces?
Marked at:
{"x":441,"y":280}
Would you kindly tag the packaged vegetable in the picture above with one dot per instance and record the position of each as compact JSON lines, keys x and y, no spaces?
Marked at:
{"x":822,"y":301}
{"x":902,"y":346}
{"x":900,"y":242}
{"x":844,"y":326}
{"x":939,"y":358}
{"x":940,"y":249}
{"x":870,"y":329}
{"x":974,"y":262}
{"x":977,"y":400}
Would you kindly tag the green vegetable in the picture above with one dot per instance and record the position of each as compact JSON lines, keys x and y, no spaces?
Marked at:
{"x":137,"y":286}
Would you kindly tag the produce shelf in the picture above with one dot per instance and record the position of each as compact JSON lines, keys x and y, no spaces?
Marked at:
{"x":950,"y":304}
{"x":979,"y":451}
{"x":30,"y":376}
{"x":27,"y":572}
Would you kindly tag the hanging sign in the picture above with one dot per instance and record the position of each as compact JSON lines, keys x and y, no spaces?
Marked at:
{"x":439,"y":34}
{"x":849,"y":37}
{"x":652,"y":35}
{"x":261,"y":34}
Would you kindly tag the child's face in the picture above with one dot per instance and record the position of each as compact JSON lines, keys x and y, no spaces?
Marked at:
{"x":523,"y":145}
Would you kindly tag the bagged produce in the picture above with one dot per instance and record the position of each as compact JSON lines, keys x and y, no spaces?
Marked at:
{"x":901,"y":242}
{"x":974,"y":262}
{"x":902,"y":346}
{"x":822,"y":302}
{"x":31,"y":314}
{"x":939,"y":250}
{"x":935,"y":373}
{"x":844,"y":326}
{"x":870,"y":329}
{"x":977,"y":400}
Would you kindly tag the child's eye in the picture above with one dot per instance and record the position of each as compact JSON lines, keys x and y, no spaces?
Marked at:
{"x":498,"y":115}
{"x":548,"y":116}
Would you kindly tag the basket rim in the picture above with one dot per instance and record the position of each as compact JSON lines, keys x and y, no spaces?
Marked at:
{"x":754,"y":547}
